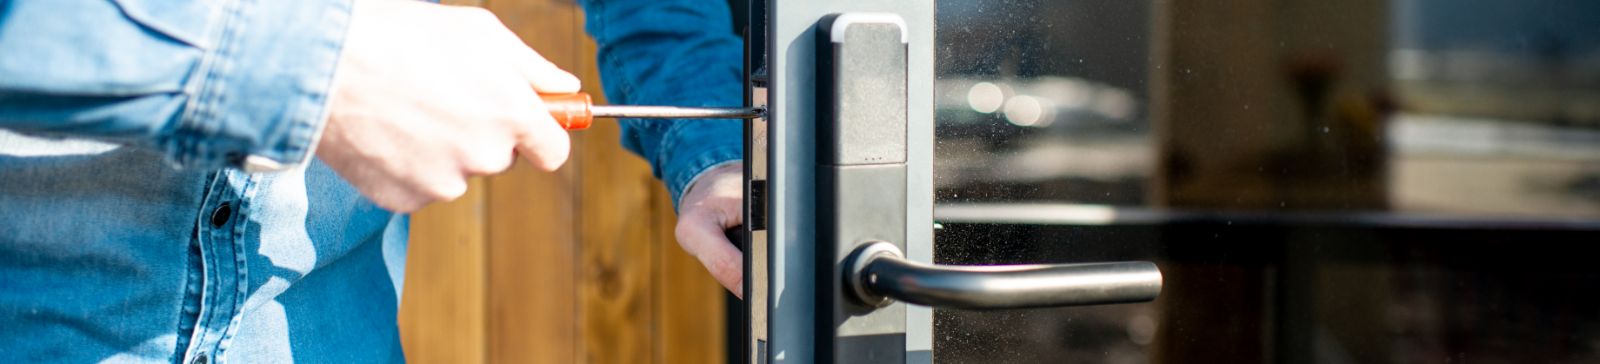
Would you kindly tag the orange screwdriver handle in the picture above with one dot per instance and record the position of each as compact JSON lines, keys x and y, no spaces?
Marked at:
{"x":570,"y":110}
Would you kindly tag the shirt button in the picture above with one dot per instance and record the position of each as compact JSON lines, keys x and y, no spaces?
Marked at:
{"x":201,"y":359}
{"x":220,"y":216}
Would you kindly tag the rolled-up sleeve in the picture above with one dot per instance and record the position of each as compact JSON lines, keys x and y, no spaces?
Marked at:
{"x":672,"y":52}
{"x":210,"y":83}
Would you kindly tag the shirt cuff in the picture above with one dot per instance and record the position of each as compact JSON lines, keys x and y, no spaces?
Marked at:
{"x":262,"y":96}
{"x":689,"y":188}
{"x":690,"y":150}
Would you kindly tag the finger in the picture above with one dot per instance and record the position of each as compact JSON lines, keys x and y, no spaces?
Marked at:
{"x":387,"y":191}
{"x":402,"y":199}
{"x":419,"y":191}
{"x":490,"y":158}
{"x":544,"y":76}
{"x":702,"y":237}
{"x":543,"y":142}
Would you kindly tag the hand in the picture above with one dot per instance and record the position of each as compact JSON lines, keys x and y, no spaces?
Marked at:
{"x":714,"y":204}
{"x":427,"y":95}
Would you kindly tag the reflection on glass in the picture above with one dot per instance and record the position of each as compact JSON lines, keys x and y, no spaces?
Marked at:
{"x":1042,"y":101}
{"x":1503,"y":94}
{"x":1321,"y":181}
{"x":1051,"y":101}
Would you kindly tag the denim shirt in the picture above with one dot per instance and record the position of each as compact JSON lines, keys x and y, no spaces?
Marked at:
{"x":130,"y":233}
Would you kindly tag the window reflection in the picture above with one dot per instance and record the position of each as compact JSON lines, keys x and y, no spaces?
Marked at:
{"x":1502,"y":107}
{"x":1053,"y":101}
{"x":1043,"y":101}
{"x":1321,"y":181}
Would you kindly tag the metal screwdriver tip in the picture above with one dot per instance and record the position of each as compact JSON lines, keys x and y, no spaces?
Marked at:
{"x":674,"y":112}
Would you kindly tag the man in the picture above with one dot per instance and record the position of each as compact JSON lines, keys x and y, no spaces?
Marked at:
{"x":195,"y":181}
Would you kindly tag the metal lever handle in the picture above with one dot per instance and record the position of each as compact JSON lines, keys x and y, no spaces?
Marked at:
{"x":878,"y":274}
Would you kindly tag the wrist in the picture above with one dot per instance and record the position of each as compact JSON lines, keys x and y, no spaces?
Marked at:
{"x":733,"y":166}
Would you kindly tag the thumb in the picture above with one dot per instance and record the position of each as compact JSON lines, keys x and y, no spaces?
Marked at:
{"x":544,"y":76}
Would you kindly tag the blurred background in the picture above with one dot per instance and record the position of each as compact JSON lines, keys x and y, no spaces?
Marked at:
{"x":1359,"y":181}
{"x":1356,"y":181}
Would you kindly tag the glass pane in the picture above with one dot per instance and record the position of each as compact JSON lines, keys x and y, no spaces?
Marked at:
{"x":1043,"y":100}
{"x":1320,"y":181}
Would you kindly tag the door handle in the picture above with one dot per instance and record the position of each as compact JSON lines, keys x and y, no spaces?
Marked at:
{"x":879,"y":274}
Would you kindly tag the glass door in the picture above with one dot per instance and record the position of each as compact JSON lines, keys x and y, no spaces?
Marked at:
{"x":1320,"y":182}
{"x":1316,"y":182}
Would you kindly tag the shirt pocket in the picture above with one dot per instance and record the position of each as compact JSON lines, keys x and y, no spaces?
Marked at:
{"x":187,"y":21}
{"x":106,"y":48}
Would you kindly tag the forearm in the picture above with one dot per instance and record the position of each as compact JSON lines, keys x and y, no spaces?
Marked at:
{"x":210,"y":83}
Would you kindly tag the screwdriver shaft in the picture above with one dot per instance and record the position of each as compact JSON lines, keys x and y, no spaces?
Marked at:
{"x":674,"y":112}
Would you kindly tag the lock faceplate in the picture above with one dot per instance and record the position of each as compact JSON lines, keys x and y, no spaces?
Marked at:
{"x":861,"y":178}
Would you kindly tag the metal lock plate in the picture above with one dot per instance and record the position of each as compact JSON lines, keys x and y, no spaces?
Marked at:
{"x":861,"y":177}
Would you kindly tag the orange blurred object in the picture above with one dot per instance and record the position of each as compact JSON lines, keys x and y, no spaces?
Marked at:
{"x":572,"y":111}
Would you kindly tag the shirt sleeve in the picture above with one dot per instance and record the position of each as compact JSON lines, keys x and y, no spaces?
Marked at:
{"x":209,"y":83}
{"x":672,"y":52}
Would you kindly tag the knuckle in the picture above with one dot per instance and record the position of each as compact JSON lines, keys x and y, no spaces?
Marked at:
{"x":683,"y":243}
{"x":521,"y":121}
{"x":683,"y":233}
{"x":486,"y":163}
{"x":445,"y":191}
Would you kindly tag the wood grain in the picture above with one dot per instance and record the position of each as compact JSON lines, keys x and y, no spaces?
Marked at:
{"x":533,"y":235}
{"x":532,"y":268}
{"x":441,"y":313}
{"x":617,"y":259}
{"x":689,"y":307}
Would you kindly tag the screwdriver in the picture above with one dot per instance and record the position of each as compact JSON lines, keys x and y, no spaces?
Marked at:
{"x":576,"y":111}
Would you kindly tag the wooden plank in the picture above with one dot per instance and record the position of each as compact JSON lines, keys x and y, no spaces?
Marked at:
{"x":645,"y":299}
{"x":533,"y":227}
{"x":618,"y":244}
{"x":441,"y":312}
{"x":532,"y":267}
{"x":689,"y":308}
{"x":616,"y":285}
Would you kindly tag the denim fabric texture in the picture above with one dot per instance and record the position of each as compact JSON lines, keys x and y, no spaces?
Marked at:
{"x":672,"y":52}
{"x":128,"y":235}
